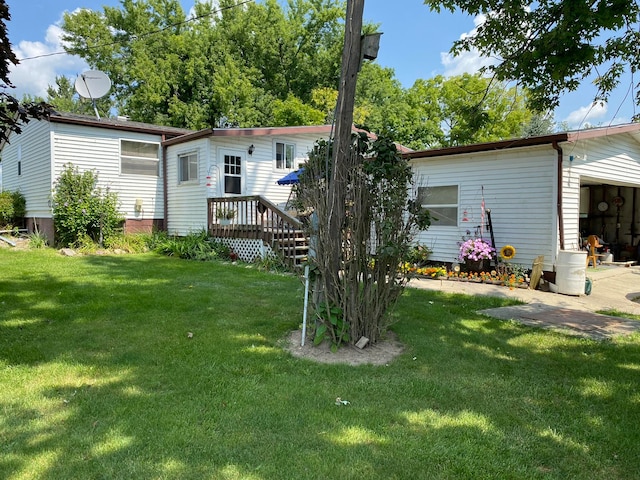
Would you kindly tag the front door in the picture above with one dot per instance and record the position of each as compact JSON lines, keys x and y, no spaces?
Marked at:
{"x":233,"y":170}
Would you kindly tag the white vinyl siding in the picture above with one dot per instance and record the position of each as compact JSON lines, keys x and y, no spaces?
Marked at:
{"x":188,"y":202}
{"x":26,"y":167}
{"x":518,"y":186}
{"x":100,"y":150}
{"x":139,"y":158}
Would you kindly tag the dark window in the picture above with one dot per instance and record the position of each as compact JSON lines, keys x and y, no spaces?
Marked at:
{"x":232,"y":174}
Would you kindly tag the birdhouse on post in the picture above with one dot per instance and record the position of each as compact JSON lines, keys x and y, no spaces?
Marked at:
{"x":369,"y":46}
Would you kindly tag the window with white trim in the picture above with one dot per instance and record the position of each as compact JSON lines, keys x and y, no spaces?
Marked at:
{"x":139,"y":158}
{"x":285,"y":155}
{"x":442,"y":203}
{"x":188,"y":167}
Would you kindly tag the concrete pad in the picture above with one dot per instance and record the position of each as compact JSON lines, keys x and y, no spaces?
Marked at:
{"x":613,"y":288}
{"x":566,"y":320}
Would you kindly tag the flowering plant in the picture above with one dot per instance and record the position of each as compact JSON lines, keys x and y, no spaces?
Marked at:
{"x":475,"y":249}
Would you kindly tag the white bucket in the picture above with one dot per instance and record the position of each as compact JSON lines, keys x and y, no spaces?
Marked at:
{"x":571,"y":272}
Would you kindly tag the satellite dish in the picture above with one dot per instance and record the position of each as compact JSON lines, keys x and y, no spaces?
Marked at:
{"x":93,"y":84}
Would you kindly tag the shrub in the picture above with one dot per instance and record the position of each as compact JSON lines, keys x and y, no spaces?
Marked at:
{"x":12,"y":208}
{"x":195,"y":246}
{"x":37,"y":240}
{"x":419,"y":255}
{"x":82,"y":209}
{"x":130,"y":243}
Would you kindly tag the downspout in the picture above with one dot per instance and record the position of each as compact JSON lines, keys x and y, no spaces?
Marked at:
{"x":165,"y":201}
{"x":558,"y":149}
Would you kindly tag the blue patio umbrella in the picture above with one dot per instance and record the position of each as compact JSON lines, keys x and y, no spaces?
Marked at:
{"x":291,"y":178}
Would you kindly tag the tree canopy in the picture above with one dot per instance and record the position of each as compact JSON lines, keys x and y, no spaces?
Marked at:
{"x":265,"y":64}
{"x":238,"y":63}
{"x":551,"y":46}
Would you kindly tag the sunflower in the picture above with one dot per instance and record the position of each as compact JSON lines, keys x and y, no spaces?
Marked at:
{"x":507,"y":252}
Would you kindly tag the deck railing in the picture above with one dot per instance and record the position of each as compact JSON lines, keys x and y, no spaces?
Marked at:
{"x":253,"y":217}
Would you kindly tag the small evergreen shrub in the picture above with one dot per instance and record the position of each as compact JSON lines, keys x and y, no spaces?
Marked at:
{"x":81,"y":209}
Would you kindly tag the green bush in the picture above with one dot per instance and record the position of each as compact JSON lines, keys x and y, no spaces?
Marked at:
{"x":130,"y":243}
{"x":12,"y":208}
{"x":81,"y":209}
{"x":195,"y":246}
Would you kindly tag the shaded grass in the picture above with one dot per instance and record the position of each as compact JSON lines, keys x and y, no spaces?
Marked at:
{"x":99,"y":379}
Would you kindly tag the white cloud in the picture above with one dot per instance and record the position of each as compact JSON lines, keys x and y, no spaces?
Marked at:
{"x":586,"y":115}
{"x":466,"y":62}
{"x":34,"y":76}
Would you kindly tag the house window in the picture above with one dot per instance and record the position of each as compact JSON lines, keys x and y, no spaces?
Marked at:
{"x":285,"y":154}
{"x":19,"y":168}
{"x":139,"y":158}
{"x":442,"y":203}
{"x":233,"y":174}
{"x":188,"y":167}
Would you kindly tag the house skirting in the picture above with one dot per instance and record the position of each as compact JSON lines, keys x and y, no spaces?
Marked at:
{"x":143,"y":226}
{"x":45,"y":226}
{"x":42,"y":225}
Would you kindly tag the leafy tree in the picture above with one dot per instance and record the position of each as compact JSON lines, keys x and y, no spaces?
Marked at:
{"x":551,"y":46}
{"x":540,"y":124}
{"x":226,"y":65}
{"x":13,"y":112}
{"x":380,"y":103}
{"x":380,"y":220}
{"x":476,"y":109}
{"x":442,"y":111}
{"x":81,"y":208}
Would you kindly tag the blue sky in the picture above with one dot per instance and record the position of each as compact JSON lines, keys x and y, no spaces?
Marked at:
{"x":415,"y":44}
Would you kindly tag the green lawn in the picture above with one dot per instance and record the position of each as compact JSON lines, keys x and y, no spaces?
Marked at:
{"x":99,"y":379}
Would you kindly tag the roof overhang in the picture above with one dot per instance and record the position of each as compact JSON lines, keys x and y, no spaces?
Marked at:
{"x":250,"y":132}
{"x":118,"y":124}
{"x":557,"y":138}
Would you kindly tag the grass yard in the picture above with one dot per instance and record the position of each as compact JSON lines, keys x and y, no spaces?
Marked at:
{"x":100,"y":380}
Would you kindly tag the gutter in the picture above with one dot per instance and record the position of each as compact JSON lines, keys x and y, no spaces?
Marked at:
{"x":558,"y":149}
{"x":165,"y":200}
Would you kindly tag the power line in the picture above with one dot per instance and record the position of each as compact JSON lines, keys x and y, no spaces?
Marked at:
{"x":144,"y":35}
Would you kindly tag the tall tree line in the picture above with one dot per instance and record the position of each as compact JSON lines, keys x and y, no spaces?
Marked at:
{"x":247,"y":64}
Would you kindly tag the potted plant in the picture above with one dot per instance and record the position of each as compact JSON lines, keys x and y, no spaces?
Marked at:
{"x":225,"y":215}
{"x":474,"y":252}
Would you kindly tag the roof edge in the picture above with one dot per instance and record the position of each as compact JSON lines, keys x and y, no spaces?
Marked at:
{"x":572,"y":136}
{"x":249,"y":132}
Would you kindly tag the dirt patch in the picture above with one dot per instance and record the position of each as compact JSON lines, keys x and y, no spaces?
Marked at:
{"x":382,"y":353}
{"x":21,"y":243}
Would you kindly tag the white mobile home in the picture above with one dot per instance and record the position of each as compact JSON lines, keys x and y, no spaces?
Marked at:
{"x":544,"y":194}
{"x":163,"y":175}
{"x":126,"y":155}
{"x":237,"y":162}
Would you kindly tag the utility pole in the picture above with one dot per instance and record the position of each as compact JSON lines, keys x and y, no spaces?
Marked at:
{"x":351,"y":59}
{"x":343,"y":159}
